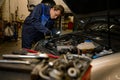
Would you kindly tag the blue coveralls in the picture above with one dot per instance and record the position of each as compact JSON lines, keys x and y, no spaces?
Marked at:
{"x":35,"y":25}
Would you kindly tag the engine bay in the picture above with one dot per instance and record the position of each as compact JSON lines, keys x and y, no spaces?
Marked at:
{"x":68,"y":44}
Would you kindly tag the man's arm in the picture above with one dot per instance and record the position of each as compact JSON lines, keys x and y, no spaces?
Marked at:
{"x":35,"y":19}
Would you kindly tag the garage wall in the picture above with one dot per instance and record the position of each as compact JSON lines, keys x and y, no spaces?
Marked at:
{"x":13,"y":10}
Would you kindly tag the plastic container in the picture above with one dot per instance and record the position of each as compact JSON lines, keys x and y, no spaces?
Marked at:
{"x":87,"y":45}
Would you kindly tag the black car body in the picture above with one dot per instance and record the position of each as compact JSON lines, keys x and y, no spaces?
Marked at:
{"x":97,"y":20}
{"x":98,"y":27}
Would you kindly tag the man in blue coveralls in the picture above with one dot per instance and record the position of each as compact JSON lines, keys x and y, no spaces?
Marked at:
{"x":39,"y":22}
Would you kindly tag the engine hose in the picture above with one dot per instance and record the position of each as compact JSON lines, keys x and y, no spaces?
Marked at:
{"x":41,"y":73}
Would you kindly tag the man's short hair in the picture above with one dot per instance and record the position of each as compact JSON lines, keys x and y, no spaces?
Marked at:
{"x":59,"y":7}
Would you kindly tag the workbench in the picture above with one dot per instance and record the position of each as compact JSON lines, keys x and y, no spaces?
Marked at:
{"x":16,"y":71}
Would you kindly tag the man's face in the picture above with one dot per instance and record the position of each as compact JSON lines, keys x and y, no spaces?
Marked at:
{"x":54,"y":13}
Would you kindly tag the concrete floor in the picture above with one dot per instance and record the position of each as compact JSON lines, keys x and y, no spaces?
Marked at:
{"x":104,"y":68}
{"x":9,"y":46}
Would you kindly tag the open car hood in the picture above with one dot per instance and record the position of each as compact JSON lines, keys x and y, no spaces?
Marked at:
{"x":93,"y":7}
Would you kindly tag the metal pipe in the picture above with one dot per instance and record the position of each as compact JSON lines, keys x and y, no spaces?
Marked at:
{"x":25,"y":56}
{"x":15,"y":61}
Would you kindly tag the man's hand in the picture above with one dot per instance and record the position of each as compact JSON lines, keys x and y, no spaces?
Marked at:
{"x":48,"y":33}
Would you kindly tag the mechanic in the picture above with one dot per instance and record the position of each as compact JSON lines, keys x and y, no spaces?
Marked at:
{"x":39,"y":23}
